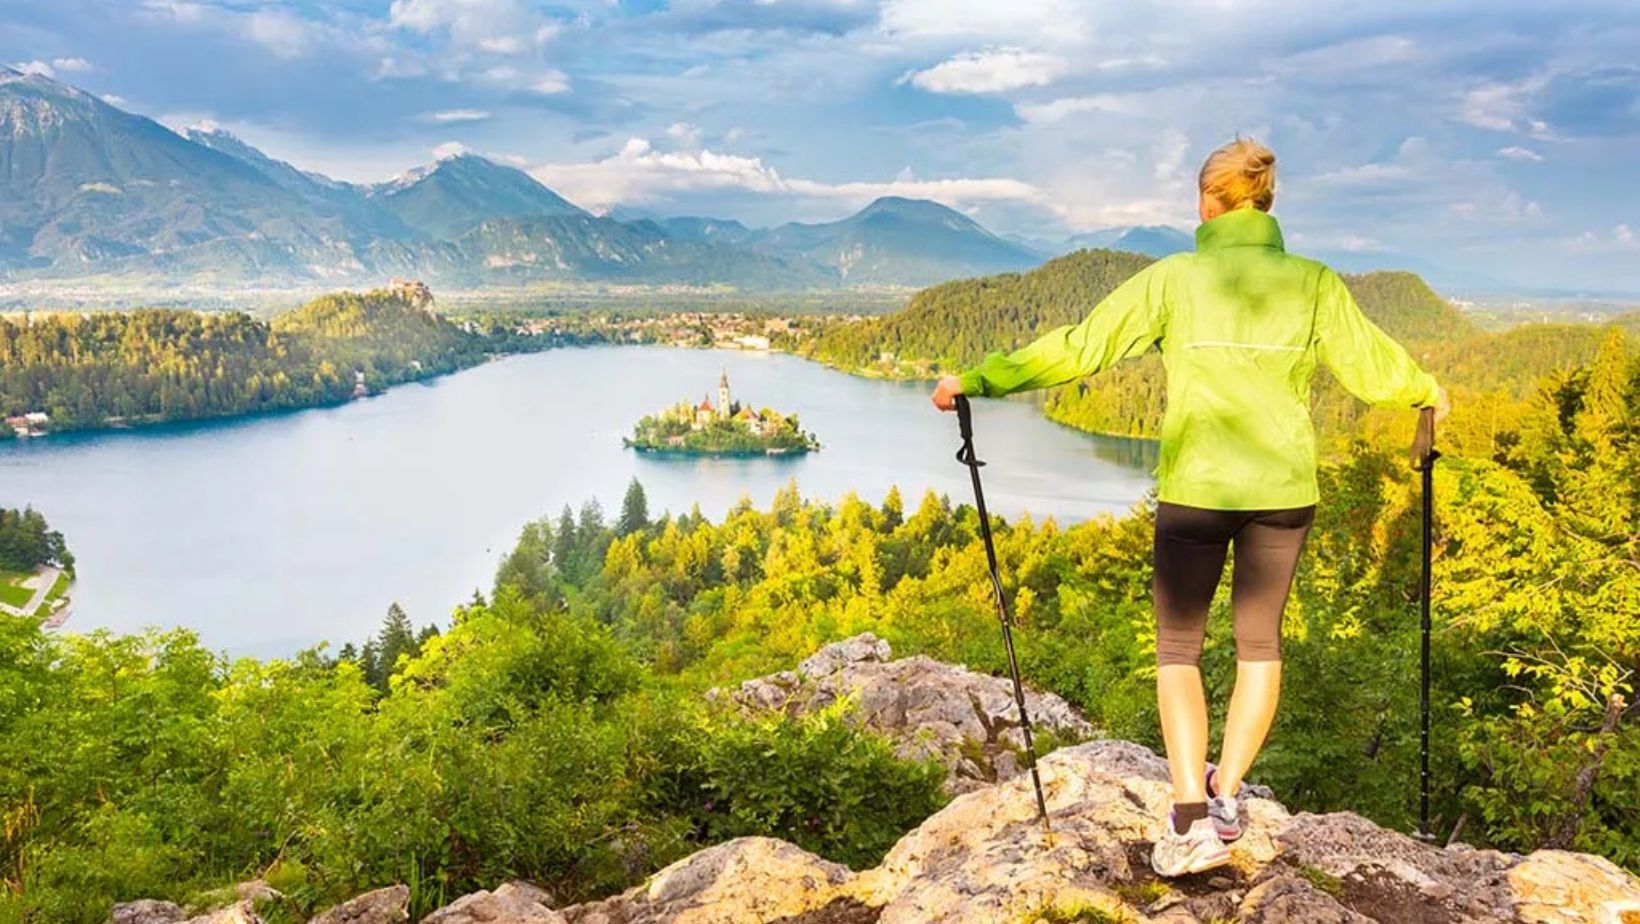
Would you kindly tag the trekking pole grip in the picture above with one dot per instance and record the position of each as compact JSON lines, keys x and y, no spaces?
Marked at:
{"x":965,"y":419}
{"x":1424,"y":454}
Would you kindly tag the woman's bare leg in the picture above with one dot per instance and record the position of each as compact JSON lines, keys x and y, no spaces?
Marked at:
{"x":1183,"y":708}
{"x":1252,"y":710}
{"x":1267,"y":551}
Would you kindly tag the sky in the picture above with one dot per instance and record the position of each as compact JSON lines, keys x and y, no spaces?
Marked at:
{"x":1496,"y":140}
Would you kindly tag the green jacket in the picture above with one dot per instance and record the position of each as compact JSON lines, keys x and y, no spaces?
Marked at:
{"x":1241,"y":324}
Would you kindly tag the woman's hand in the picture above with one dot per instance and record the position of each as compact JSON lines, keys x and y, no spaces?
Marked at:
{"x":1443,"y":406}
{"x":946,"y":392}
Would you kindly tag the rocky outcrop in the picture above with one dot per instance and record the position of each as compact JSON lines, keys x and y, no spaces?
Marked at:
{"x":762,"y":879}
{"x":239,"y":909}
{"x":985,"y":859}
{"x":147,"y":911}
{"x":965,"y":720}
{"x":512,"y":903}
{"x":383,"y":906}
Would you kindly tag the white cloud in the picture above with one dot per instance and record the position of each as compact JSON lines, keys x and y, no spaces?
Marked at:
{"x":1516,"y":152}
{"x":1620,"y":239}
{"x":1353,"y":55}
{"x":1503,"y":107}
{"x":494,"y":27}
{"x":114,"y":99}
{"x":993,"y":70}
{"x":53,"y":68}
{"x":1060,"y":109}
{"x":640,"y":173}
{"x":177,"y":10}
{"x":281,"y":32}
{"x":1510,"y":206}
{"x":457,"y":115}
{"x":450,"y":149}
{"x":550,"y":83}
{"x":685,"y":134}
{"x":1039,"y":20}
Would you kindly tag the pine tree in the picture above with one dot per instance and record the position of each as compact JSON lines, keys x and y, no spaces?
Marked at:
{"x":370,"y":664}
{"x":563,"y":541}
{"x":893,"y":508}
{"x":634,"y":510}
{"x":397,"y":639}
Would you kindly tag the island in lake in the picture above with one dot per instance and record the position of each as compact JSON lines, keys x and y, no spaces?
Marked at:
{"x":727,"y":428}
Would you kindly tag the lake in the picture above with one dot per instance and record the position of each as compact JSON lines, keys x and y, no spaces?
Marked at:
{"x":270,"y":533}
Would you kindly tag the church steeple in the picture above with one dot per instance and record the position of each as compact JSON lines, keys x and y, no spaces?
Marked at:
{"x":723,"y":394}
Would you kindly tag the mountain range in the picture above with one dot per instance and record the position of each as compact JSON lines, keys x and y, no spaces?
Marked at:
{"x":90,"y":190}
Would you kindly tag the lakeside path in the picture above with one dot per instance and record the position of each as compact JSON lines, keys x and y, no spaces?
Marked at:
{"x":41,"y":583}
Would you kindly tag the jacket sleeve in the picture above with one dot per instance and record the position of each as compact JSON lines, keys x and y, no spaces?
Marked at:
{"x":1364,"y":359}
{"x":1125,"y":324}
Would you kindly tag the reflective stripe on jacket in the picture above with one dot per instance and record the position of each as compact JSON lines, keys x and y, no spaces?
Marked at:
{"x":1241,"y":324}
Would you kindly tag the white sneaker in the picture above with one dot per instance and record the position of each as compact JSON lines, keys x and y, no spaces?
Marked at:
{"x":1225,"y":814}
{"x":1197,"y":850}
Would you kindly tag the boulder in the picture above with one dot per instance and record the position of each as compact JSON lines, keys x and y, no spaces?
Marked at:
{"x":147,"y":911}
{"x":746,"y":879}
{"x":1548,"y":882}
{"x":240,"y":912}
{"x":965,"y":720}
{"x":1287,"y":899}
{"x":383,"y":906}
{"x":511,"y":903}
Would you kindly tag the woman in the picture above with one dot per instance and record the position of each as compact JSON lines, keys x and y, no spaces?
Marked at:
{"x":1241,"y":325}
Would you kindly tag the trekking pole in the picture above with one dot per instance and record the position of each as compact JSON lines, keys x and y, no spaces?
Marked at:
{"x":1424,"y":455}
{"x":966,"y":456}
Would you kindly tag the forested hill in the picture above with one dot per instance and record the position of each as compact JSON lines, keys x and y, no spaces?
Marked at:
{"x":957,"y":323}
{"x":147,"y":366}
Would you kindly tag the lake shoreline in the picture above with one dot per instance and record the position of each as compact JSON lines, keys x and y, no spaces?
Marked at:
{"x":265,"y":533}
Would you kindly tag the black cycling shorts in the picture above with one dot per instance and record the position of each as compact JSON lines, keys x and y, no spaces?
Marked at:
{"x":1191,"y":544}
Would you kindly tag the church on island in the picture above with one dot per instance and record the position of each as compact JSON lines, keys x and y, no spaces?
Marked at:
{"x":704,"y":413}
{"x":724,"y":428}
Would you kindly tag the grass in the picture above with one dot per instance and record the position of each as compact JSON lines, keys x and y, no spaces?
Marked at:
{"x":1322,"y":880}
{"x":1076,"y":913}
{"x":1148,"y":892}
{"x":10,"y":592}
{"x":57,"y":588}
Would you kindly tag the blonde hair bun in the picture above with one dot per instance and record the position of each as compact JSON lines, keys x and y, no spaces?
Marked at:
{"x":1239,"y":174}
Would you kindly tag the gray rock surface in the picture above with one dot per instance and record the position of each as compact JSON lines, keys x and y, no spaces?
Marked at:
{"x":383,"y":906}
{"x":511,"y":903}
{"x":966,"y":720}
{"x":147,"y":911}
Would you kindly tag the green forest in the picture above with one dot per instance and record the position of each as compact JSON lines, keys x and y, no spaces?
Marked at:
{"x":1494,"y":376}
{"x":556,"y":728}
{"x":27,"y":541}
{"x":147,"y":366}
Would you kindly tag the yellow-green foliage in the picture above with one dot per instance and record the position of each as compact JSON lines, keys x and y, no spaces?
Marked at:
{"x":558,"y":731}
